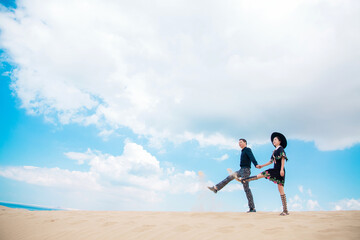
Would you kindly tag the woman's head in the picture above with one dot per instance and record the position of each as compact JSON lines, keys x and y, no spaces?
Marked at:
{"x":278,"y":139}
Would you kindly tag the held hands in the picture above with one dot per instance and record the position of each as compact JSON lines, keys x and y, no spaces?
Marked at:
{"x":258,"y":166}
{"x":282,"y":173}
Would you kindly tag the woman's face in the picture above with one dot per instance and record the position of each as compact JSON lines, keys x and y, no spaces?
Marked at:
{"x":276,"y":142}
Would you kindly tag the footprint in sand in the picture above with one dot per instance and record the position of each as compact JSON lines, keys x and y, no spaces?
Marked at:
{"x":227,"y":229}
{"x":79,"y":221}
{"x":109,"y":224}
{"x":273,"y":230}
{"x":144,"y":228}
{"x":182,"y":228}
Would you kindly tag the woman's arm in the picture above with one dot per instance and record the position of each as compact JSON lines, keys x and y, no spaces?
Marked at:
{"x":282,"y":166}
{"x":266,"y":164}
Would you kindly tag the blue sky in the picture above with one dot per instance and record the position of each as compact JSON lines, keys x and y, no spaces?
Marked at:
{"x":139,"y":107}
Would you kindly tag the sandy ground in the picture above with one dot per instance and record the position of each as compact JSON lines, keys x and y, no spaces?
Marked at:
{"x":17,"y":224}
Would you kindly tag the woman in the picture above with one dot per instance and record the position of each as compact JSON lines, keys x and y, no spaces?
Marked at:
{"x":276,"y":174}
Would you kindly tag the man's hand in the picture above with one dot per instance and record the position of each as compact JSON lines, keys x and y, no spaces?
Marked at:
{"x":258,"y":166}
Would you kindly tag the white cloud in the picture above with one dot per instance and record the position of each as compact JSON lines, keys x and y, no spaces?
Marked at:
{"x":52,"y":177}
{"x":313,"y":205}
{"x":135,"y":161}
{"x":183,"y":72}
{"x":187,"y":182}
{"x":302,"y":190}
{"x":295,"y":203}
{"x":135,"y":175}
{"x":298,"y":203}
{"x":310,"y":192}
{"x":347,"y":204}
{"x":79,"y":157}
{"x":222,"y":158}
{"x":233,"y":187}
{"x":106,"y":133}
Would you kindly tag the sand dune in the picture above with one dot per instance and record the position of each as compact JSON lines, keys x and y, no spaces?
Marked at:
{"x":16,"y":224}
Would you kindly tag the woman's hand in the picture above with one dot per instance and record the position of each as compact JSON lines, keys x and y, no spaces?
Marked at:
{"x":282,"y":173}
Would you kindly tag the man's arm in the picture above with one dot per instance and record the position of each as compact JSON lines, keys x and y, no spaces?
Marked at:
{"x":251,"y":157}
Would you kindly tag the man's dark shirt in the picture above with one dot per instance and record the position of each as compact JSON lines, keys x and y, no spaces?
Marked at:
{"x":246,"y":158}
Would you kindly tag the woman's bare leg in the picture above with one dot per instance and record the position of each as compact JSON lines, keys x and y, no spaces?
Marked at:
{"x":260,"y":176}
{"x":281,"y":189}
{"x":252,"y":178}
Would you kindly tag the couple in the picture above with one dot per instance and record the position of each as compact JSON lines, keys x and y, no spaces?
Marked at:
{"x":275,"y":174}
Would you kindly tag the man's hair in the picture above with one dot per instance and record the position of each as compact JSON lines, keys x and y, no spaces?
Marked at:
{"x":242,"y":139}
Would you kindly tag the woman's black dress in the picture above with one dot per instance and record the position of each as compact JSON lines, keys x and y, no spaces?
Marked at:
{"x":273,"y":174}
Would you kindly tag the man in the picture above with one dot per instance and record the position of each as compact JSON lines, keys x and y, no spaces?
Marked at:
{"x":246,"y":158}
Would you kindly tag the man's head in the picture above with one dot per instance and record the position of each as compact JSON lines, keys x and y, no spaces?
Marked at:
{"x":242,"y":143}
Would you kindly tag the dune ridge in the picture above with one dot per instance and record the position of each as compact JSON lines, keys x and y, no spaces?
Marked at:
{"x":23,"y":224}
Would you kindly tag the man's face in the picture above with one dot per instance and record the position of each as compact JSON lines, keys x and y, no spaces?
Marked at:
{"x":242,"y":144}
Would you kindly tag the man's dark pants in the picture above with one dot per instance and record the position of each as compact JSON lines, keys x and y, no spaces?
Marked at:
{"x":243,"y":173}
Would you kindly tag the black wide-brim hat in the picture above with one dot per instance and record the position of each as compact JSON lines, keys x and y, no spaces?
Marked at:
{"x":281,"y":137}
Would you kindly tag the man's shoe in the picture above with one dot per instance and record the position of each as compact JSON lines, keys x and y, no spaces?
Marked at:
{"x":213,"y":189}
{"x":251,"y":210}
